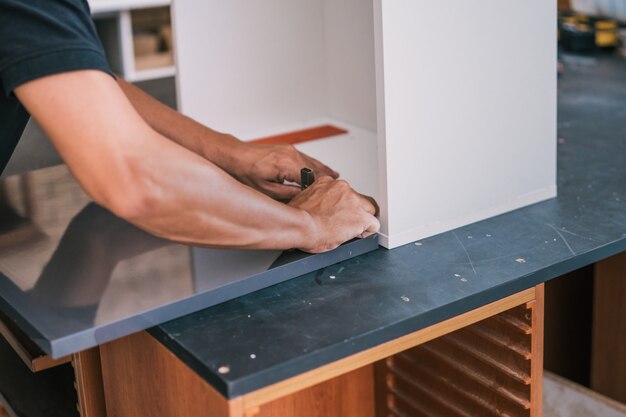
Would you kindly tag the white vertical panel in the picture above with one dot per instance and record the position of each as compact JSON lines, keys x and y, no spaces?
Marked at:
{"x":469,"y":111}
{"x":250,"y":66}
{"x":465,"y":93}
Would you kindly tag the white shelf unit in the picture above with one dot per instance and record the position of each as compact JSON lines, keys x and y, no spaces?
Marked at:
{"x":459,"y":96}
{"x":114,"y":22}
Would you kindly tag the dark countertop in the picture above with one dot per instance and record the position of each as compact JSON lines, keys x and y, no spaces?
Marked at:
{"x":313,"y":320}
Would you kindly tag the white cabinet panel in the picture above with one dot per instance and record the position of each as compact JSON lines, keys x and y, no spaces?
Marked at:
{"x":459,"y":95}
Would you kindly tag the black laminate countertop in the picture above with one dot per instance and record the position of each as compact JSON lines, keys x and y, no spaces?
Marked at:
{"x":310,"y":321}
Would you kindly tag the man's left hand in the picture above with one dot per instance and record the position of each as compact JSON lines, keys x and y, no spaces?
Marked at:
{"x":267,"y":168}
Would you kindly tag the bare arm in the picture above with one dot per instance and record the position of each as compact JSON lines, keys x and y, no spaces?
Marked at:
{"x":166,"y":189}
{"x":263,"y":167}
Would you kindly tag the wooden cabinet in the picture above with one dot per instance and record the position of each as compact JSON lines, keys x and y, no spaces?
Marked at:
{"x":485,"y":362}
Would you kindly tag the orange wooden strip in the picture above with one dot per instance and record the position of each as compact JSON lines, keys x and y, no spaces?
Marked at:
{"x":305,"y":135}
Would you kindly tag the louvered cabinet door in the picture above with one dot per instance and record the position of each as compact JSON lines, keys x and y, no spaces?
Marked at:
{"x":491,"y":368}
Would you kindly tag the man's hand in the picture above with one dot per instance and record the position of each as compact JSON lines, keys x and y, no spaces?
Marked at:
{"x":338,"y":212}
{"x":267,"y":167}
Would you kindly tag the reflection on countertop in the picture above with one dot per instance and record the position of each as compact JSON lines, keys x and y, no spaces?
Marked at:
{"x":73,"y":275}
{"x":65,"y":252}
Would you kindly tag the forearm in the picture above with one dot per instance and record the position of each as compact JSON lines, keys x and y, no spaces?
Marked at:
{"x":215,"y":146}
{"x":149,"y":180}
{"x":188,"y":199}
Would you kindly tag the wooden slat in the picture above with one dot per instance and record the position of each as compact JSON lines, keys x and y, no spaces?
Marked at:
{"x":32,"y":356}
{"x":436,"y":401}
{"x":384,"y":350}
{"x":89,"y":386}
{"x":453,"y":388}
{"x":399,"y":412}
{"x":504,"y":340}
{"x":507,"y":365}
{"x":411,"y":403}
{"x":518,"y":394}
{"x":515,"y":322}
{"x":536,"y":370}
{"x":305,"y":135}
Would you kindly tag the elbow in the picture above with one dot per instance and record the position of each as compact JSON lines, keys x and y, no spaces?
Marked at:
{"x":134,"y":207}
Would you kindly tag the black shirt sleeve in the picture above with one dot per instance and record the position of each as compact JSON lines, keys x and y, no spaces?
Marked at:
{"x":45,"y":37}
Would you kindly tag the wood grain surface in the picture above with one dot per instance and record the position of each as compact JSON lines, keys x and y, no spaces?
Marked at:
{"x":142,"y":378}
{"x":348,"y":395}
{"x":608,"y":361}
{"x":89,"y":388}
{"x":305,"y":135}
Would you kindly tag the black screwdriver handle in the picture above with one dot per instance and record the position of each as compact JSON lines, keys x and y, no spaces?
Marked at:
{"x":307,"y":177}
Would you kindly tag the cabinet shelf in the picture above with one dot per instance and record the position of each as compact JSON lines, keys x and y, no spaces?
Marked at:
{"x":119,"y":21}
{"x":151,"y":74}
{"x":110,"y":6}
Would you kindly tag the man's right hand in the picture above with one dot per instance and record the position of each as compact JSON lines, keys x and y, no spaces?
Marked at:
{"x":338,"y":214}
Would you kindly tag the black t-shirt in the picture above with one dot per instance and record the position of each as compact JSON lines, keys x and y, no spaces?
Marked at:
{"x":39,"y":38}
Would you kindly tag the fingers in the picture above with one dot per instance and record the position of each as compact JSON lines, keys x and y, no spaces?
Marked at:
{"x":372,"y":208}
{"x":372,"y":226}
{"x":319,"y":168}
{"x":283,"y":192}
{"x":324,"y":179}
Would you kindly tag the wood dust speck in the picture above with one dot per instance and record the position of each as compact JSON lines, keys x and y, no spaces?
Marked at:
{"x":252,"y":356}
{"x":488,"y":235}
{"x":417,"y":244}
{"x":457,"y":275}
{"x":332,"y":277}
{"x":520,"y":260}
{"x":405,"y":298}
{"x":463,"y":279}
{"x":223,"y":370}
